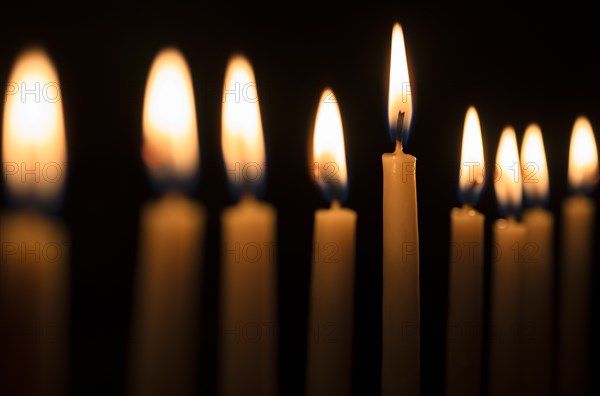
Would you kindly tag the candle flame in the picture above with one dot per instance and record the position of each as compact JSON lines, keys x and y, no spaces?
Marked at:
{"x":400,"y":94}
{"x":583,"y":157}
{"x":34,"y":145}
{"x":536,"y":182}
{"x":329,"y":156}
{"x":507,"y":181}
{"x":242,"y":135}
{"x":171,"y":150}
{"x":472,"y":172}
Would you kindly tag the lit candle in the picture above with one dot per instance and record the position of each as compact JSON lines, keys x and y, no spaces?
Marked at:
{"x":575,"y":285}
{"x":332,"y":284}
{"x":400,"y":355}
{"x":248,"y":321}
{"x":465,"y":304}
{"x":509,"y":238}
{"x":34,"y":270}
{"x":172,"y":234}
{"x":537,"y":269}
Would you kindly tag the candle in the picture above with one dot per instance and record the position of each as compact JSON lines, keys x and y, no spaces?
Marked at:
{"x":537,"y":269}
{"x":509,"y":238}
{"x":332,"y":284}
{"x":34,"y":298}
{"x":578,"y":226}
{"x":165,"y":311}
{"x":248,"y":321}
{"x":465,"y":303}
{"x":400,"y":355}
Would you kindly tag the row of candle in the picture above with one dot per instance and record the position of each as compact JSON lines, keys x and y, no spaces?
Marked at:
{"x":172,"y":234}
{"x":521,"y":319}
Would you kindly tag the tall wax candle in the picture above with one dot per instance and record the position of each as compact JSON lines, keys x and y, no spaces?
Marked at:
{"x":165,"y":310}
{"x":34,"y":247}
{"x":465,"y":302}
{"x":400,"y":355}
{"x":537,"y":270}
{"x":247,"y":364}
{"x":575,"y":272}
{"x":330,"y":328}
{"x":509,"y":238}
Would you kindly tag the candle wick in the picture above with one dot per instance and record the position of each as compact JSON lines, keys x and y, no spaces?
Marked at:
{"x":335,"y":204}
{"x":400,"y":128}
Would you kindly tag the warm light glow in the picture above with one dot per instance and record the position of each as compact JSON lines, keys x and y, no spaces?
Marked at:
{"x":34,"y":150}
{"x":242,"y":135}
{"x":472,"y":172}
{"x":400,"y":95}
{"x":329,"y":155}
{"x":534,"y":166}
{"x":171,"y":150}
{"x":583,"y":157}
{"x":507,"y":181}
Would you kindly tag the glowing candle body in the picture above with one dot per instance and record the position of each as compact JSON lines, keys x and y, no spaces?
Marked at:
{"x":167,"y":300}
{"x":165,"y":325}
{"x":331,"y":324}
{"x":575,"y":272}
{"x":575,"y":285}
{"x":509,"y":237}
{"x":465,"y":304}
{"x":537,"y":270}
{"x":33,"y":305}
{"x":34,"y":297}
{"x":400,"y":276}
{"x":248,"y":320}
{"x":400,"y":355}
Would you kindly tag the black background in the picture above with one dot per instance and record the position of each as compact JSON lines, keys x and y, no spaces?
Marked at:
{"x":516,"y":66}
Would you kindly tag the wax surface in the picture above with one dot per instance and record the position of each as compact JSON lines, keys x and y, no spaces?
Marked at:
{"x":248,"y":320}
{"x":400,"y":355}
{"x":330,"y":328}
{"x":465,"y":303}
{"x":34,"y":305}
{"x":164,"y":335}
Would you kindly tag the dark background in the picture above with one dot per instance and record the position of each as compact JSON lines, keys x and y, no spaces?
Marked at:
{"x":516,"y":66}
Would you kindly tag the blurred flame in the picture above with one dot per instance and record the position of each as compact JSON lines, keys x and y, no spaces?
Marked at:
{"x":34,"y":144}
{"x":507,"y":181}
{"x":536,"y":182}
{"x":583,"y":157}
{"x":242,"y":135}
{"x":400,"y":96}
{"x":472,"y":173}
{"x":329,"y":156}
{"x":171,"y":150}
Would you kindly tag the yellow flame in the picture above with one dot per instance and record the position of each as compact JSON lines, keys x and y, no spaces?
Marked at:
{"x":583,"y":156}
{"x":34,"y":145}
{"x":171,"y":149}
{"x":400,"y":95}
{"x":329,"y":154}
{"x":472,"y":174}
{"x":533,"y":161}
{"x":242,"y":135}
{"x":507,"y":181}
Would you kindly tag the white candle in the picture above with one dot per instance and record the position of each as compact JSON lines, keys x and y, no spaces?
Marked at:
{"x":509,"y":238}
{"x":400,"y":355}
{"x":332,"y":284}
{"x":575,"y":273}
{"x":165,"y":324}
{"x":537,"y":270}
{"x":248,"y":301}
{"x":34,"y":298}
{"x":465,"y":303}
